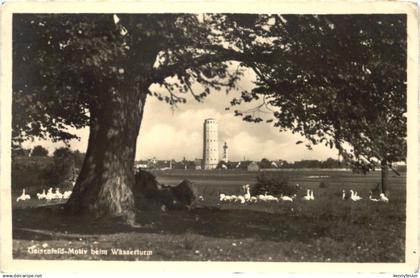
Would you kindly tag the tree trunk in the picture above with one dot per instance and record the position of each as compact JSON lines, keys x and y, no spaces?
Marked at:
{"x":104,"y":186}
{"x":384,"y":177}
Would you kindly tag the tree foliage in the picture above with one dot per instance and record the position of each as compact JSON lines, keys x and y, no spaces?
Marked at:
{"x":66,"y":64}
{"x":338,"y":80}
{"x":265,"y":163}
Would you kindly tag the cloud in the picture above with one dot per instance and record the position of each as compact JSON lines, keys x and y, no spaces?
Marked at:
{"x":253,"y":147}
{"x":166,"y":142}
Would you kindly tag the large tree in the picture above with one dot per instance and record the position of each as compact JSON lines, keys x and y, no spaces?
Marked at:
{"x":341,"y":81}
{"x":97,"y":71}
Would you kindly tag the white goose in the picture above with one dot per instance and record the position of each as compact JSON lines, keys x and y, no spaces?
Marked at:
{"x":23,"y":197}
{"x":247,"y":195}
{"x":286,"y":198}
{"x":261,"y":198}
{"x":354,"y":196}
{"x":42,"y":195}
{"x":228,"y":198}
{"x":270,"y":197}
{"x":343,"y":196}
{"x":312,"y":195}
{"x":234,"y":198}
{"x":253,"y":199}
{"x":58,"y":194}
{"x":383,"y":198}
{"x":50,"y":195}
{"x":308,"y":196}
{"x":241,"y":199}
{"x":67,"y":194}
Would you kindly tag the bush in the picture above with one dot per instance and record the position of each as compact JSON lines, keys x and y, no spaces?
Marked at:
{"x":30,"y":172}
{"x":63,"y":170}
{"x":39,"y":151}
{"x":274,"y":184}
{"x":38,"y":172}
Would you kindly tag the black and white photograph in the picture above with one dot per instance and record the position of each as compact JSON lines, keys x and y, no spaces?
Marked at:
{"x":211,"y":136}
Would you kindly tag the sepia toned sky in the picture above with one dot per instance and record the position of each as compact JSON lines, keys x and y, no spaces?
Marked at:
{"x":178,"y":132}
{"x":174,"y":134}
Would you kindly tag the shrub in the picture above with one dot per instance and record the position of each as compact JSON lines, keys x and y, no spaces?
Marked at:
{"x":39,"y":151}
{"x":29,"y":172}
{"x":274,"y":183}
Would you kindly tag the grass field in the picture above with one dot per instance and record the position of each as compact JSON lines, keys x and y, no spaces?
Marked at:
{"x":324,"y":230}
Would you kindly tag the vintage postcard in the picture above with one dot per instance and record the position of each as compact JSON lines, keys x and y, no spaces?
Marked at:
{"x":209,"y":137}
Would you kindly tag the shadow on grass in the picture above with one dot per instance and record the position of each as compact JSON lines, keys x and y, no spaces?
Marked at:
{"x":49,"y":223}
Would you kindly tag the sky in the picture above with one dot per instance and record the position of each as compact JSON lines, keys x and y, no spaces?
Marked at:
{"x":175,"y":134}
{"x":178,"y":132}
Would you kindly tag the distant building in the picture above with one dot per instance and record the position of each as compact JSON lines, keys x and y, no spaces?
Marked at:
{"x":225,"y":153}
{"x":210,"y":144}
{"x":198,"y":162}
{"x":142,"y":164}
{"x":253,"y":167}
{"x":162,"y":164}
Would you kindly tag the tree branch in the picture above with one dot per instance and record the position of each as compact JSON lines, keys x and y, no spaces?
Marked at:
{"x":217,"y":54}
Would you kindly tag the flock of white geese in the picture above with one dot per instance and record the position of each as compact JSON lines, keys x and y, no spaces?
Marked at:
{"x":354,"y":196}
{"x":245,"y":198}
{"x":248,"y":198}
{"x":48,"y":196}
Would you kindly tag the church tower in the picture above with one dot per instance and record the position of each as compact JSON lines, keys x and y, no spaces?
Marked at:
{"x":225,"y":153}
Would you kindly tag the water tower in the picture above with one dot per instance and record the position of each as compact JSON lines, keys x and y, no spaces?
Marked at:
{"x":210,"y":144}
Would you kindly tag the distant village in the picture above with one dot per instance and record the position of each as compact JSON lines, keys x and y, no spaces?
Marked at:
{"x":211,"y":160}
{"x":248,"y":165}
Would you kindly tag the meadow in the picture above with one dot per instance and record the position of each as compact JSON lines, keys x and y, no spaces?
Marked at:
{"x":326,"y":229}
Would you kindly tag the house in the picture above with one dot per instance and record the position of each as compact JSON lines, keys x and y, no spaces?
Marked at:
{"x":198,"y":162}
{"x":253,"y":167}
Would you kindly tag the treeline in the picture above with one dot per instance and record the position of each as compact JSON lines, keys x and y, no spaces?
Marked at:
{"x":283,"y":164}
{"x":36,"y":167}
{"x":328,"y":163}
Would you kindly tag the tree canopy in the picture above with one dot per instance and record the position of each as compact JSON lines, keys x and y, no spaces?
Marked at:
{"x":61,"y":60}
{"x":339,"y":80}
